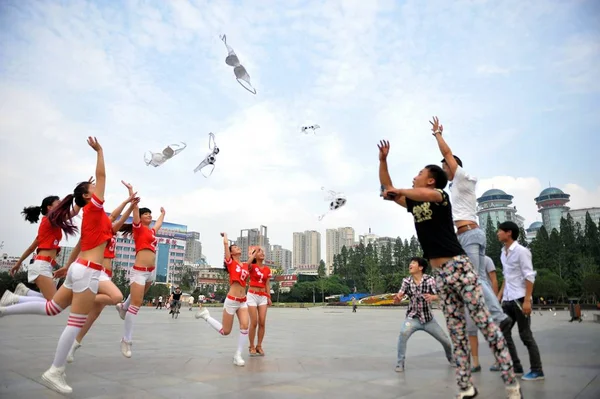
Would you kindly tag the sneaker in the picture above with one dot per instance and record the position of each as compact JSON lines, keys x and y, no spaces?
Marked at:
{"x":203,"y":314}
{"x":468,"y":393}
{"x":71,"y":356}
{"x":476,"y":369}
{"x":55,"y":379}
{"x":9,"y":299}
{"x":514,"y":391}
{"x":400,"y":367}
{"x":122,"y":311}
{"x":534,"y":376}
{"x":126,"y":348}
{"x":21,"y":289}
{"x":238,"y":360}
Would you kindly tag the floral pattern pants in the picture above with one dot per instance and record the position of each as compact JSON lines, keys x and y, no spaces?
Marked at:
{"x":458,"y":289}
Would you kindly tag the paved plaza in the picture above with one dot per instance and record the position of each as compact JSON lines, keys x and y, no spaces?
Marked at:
{"x":310,"y":353}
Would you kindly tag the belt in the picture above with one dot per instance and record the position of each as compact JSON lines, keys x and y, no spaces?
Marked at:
{"x":143,"y":269}
{"x":466,"y":227}
{"x":233,"y":298}
{"x":48,"y":259}
{"x":90,"y":264}
{"x":108,"y":272}
{"x":259,"y":293}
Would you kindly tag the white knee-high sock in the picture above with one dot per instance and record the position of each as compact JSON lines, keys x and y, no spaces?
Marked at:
{"x":33,"y":293}
{"x":132,"y":311}
{"x":242,"y":340}
{"x":46,"y":308}
{"x":127,"y":302}
{"x":26,"y":299}
{"x":216,"y":324}
{"x":74,"y":325}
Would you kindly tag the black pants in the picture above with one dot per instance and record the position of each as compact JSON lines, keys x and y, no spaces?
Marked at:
{"x":524,"y":323}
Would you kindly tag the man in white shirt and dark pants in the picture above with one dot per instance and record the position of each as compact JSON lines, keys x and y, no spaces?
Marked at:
{"x":472,"y":239}
{"x":516,"y":293}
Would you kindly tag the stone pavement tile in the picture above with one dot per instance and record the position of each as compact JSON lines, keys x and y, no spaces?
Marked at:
{"x":187,"y":390}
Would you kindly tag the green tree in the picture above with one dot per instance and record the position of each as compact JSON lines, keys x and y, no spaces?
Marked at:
{"x":592,"y":238}
{"x":493,"y":246}
{"x":522,"y":237}
{"x":386,"y":263}
{"x":549,"y":285}
{"x":398,"y":254}
{"x":539,"y":249}
{"x":553,"y":250}
{"x":321,"y":270}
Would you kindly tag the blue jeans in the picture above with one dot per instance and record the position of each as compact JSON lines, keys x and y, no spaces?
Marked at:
{"x":474,"y":243}
{"x":431,"y":327}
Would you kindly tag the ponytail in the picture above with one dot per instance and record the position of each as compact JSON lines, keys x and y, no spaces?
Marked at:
{"x":32,"y":213}
{"x":127,"y":229}
{"x":225,"y":264}
{"x":60,"y":216}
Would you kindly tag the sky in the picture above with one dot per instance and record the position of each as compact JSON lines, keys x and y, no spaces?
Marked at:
{"x":516,"y":85}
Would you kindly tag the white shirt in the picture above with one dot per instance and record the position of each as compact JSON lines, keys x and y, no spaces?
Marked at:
{"x":191,"y":299}
{"x":464,"y":200}
{"x":517,"y":268}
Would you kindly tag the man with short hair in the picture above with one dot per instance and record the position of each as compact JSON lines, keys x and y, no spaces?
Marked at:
{"x":471,"y":237}
{"x":516,"y":294}
{"x":421,"y":291}
{"x":455,"y":277}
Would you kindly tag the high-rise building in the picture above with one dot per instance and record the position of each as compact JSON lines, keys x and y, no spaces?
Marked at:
{"x":532,"y":230}
{"x":281,"y":257}
{"x":552,"y":204}
{"x":578,"y":215}
{"x":335,"y":240}
{"x":193,"y":247}
{"x":252,"y":237}
{"x":306,"y":248}
{"x":497,"y":204}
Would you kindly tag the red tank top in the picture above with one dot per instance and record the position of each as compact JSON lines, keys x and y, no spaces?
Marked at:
{"x":48,"y":236}
{"x":238,"y":272}
{"x":96,"y":228}
{"x":144,"y":238}
{"x":109,"y":251}
{"x":259,"y":276}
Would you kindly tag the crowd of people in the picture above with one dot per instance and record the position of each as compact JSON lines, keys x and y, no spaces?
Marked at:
{"x":463,"y":278}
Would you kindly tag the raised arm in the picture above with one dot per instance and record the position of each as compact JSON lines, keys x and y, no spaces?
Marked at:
{"x":384,"y":175}
{"x":25,"y":255}
{"x":438,"y":129}
{"x":226,"y":247}
{"x":159,"y":221}
{"x":421,"y":194}
{"x":119,"y":223}
{"x":118,"y":210}
{"x":100,"y":168}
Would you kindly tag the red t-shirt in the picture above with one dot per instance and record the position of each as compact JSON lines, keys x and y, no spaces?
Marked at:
{"x":48,"y":236}
{"x":144,"y":238}
{"x":259,"y":276}
{"x":238,"y":272}
{"x":109,"y":251}
{"x":96,"y":227}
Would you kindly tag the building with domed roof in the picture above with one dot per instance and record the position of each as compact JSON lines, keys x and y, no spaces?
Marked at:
{"x":551,"y":204}
{"x":496,"y":204}
{"x":531,"y":231}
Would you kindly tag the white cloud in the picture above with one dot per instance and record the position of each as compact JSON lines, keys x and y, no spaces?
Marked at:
{"x":150,"y":75}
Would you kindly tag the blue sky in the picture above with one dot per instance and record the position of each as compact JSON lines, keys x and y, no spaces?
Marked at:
{"x":516,"y":85}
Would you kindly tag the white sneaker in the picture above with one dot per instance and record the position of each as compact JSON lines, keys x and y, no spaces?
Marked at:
{"x":126,"y":348}
{"x":9,"y":299}
{"x":238,"y":360}
{"x":202,"y":314}
{"x":55,"y":379}
{"x":71,"y":356}
{"x":514,"y":391}
{"x":121,"y":310}
{"x":468,"y":393}
{"x":21,"y":289}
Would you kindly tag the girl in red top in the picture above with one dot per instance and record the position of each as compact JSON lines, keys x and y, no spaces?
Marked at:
{"x":259,"y":297}
{"x":236,"y":299}
{"x":81,"y":285}
{"x":108,"y":292}
{"x":142,"y":274}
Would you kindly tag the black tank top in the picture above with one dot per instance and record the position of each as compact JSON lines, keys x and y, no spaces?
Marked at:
{"x":176,"y":296}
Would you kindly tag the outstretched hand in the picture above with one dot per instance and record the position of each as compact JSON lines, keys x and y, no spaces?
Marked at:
{"x":128,"y":185}
{"x":436,"y":127}
{"x":93,"y":142}
{"x":225,"y":240}
{"x":384,"y":149}
{"x":162,"y":210}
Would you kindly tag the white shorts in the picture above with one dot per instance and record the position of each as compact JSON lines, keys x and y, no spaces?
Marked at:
{"x":39,"y":268}
{"x":231,"y":306}
{"x":256,"y":300}
{"x":80,"y":278}
{"x":140,"y":277}
{"x":104,"y":276}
